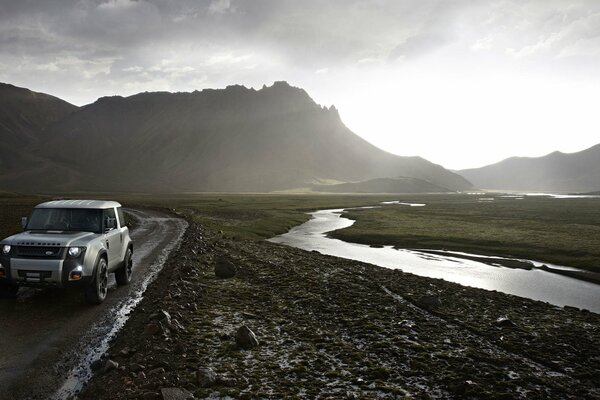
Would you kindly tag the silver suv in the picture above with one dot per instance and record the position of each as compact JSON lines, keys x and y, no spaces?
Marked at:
{"x":68,"y":243}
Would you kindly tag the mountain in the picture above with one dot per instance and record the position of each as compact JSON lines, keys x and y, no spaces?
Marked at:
{"x":24,"y":117}
{"x":555,"y":172}
{"x":233,"y":139}
{"x":383,"y":185}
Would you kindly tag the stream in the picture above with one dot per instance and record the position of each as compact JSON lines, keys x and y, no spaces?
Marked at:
{"x":534,"y":283}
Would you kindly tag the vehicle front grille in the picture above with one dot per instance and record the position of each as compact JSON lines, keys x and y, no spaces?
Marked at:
{"x":39,"y":252}
{"x":42,"y":274}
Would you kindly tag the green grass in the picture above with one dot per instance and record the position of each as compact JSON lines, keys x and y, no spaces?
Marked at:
{"x":259,"y":217}
{"x":560,"y":231}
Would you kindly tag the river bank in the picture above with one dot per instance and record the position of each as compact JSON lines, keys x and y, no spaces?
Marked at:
{"x":558,"y":285}
{"x":558,"y":230}
{"x":335,"y":328}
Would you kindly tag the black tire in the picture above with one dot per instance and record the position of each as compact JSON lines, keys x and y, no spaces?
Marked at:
{"x":96,"y":292}
{"x":123,"y":274}
{"x":8,"y":291}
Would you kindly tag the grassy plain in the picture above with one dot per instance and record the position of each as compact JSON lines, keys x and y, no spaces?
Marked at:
{"x":559,"y":231}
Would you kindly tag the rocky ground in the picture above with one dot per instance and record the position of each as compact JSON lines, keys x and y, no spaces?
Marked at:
{"x":333,"y":328}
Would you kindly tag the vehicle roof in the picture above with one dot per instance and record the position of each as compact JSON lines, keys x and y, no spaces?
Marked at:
{"x":101,"y":204}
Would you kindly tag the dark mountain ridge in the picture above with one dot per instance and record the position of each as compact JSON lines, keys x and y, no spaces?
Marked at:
{"x":556,"y":172}
{"x":24,"y":116}
{"x":233,"y":139}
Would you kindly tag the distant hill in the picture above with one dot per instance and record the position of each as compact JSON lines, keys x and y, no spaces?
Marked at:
{"x":383,"y":185}
{"x":24,"y":117}
{"x":233,"y":139}
{"x":555,"y":172}
{"x":596,"y":193}
{"x":24,"y":114}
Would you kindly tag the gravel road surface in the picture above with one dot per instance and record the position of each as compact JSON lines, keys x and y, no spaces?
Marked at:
{"x":51,"y":336}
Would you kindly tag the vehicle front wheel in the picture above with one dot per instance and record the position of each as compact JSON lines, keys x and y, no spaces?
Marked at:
{"x":123,"y":274}
{"x":96,"y":292}
{"x":8,"y":291}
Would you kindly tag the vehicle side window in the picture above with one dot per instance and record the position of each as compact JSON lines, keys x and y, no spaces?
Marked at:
{"x":109,"y":213}
{"x":122,"y":222}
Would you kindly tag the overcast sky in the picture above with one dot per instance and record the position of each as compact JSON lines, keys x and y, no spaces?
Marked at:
{"x":462,"y":83}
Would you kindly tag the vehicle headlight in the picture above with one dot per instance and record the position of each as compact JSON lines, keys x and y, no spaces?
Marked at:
{"x":6,"y":249}
{"x":75,"y":251}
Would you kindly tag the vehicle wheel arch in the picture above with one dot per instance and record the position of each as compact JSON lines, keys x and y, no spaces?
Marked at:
{"x":101,"y":254}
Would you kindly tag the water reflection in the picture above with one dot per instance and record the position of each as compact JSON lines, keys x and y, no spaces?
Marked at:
{"x":535,"y":284}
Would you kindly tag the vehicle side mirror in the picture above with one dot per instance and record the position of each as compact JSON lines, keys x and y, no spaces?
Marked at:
{"x":24,"y":222}
{"x":111,"y":223}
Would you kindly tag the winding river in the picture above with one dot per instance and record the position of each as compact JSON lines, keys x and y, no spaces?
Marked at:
{"x":534,"y":284}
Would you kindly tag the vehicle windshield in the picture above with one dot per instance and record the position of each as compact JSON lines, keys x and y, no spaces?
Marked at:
{"x":66,"y":219}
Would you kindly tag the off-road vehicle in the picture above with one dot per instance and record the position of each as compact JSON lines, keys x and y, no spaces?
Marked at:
{"x":68,"y":243}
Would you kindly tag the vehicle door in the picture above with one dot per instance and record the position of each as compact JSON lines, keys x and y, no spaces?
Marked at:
{"x":123,"y":232}
{"x":111,"y":237}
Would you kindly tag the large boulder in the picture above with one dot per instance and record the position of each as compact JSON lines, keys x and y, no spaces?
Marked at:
{"x":224,"y":268}
{"x":206,"y":377}
{"x":430,"y":301}
{"x":245,"y":338}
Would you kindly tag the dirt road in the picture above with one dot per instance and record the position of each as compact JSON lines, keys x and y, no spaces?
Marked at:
{"x":49,"y":337}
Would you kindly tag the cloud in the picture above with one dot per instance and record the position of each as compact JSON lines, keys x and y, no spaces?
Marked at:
{"x":103,"y":44}
{"x":117,"y":4}
{"x":415,"y":46}
{"x":220,"y":7}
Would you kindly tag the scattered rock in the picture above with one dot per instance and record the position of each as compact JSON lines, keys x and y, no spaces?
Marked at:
{"x":126,"y":352}
{"x":152,"y":329}
{"x":137,"y":367}
{"x":224,"y":268}
{"x":206,"y":377}
{"x":176,"y":325}
{"x":96,"y":365}
{"x":430,"y":301}
{"x":156,"y":371}
{"x":150,"y":396}
{"x":245,"y":338}
{"x":162,"y":316}
{"x":226,"y":381}
{"x":505,"y":322}
{"x":175,"y":394}
{"x":110,"y":365}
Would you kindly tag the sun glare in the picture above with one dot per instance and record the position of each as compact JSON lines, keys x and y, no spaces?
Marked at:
{"x":463,"y":122}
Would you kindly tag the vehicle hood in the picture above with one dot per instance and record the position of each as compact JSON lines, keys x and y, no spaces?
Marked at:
{"x":49,"y":238}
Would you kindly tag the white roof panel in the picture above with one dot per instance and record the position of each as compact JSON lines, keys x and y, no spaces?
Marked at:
{"x":102,"y":204}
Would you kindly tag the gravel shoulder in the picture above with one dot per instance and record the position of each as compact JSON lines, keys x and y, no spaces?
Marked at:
{"x":333,"y":328}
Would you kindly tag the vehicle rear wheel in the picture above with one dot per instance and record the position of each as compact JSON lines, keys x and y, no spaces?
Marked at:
{"x":96,"y":292}
{"x":123,"y":274}
{"x":8,"y":291}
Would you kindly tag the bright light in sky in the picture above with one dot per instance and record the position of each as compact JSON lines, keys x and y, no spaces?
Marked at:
{"x":462,"y":83}
{"x":463,"y":122}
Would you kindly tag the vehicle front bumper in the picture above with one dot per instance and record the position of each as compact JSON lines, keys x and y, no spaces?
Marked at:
{"x":42,"y":272}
